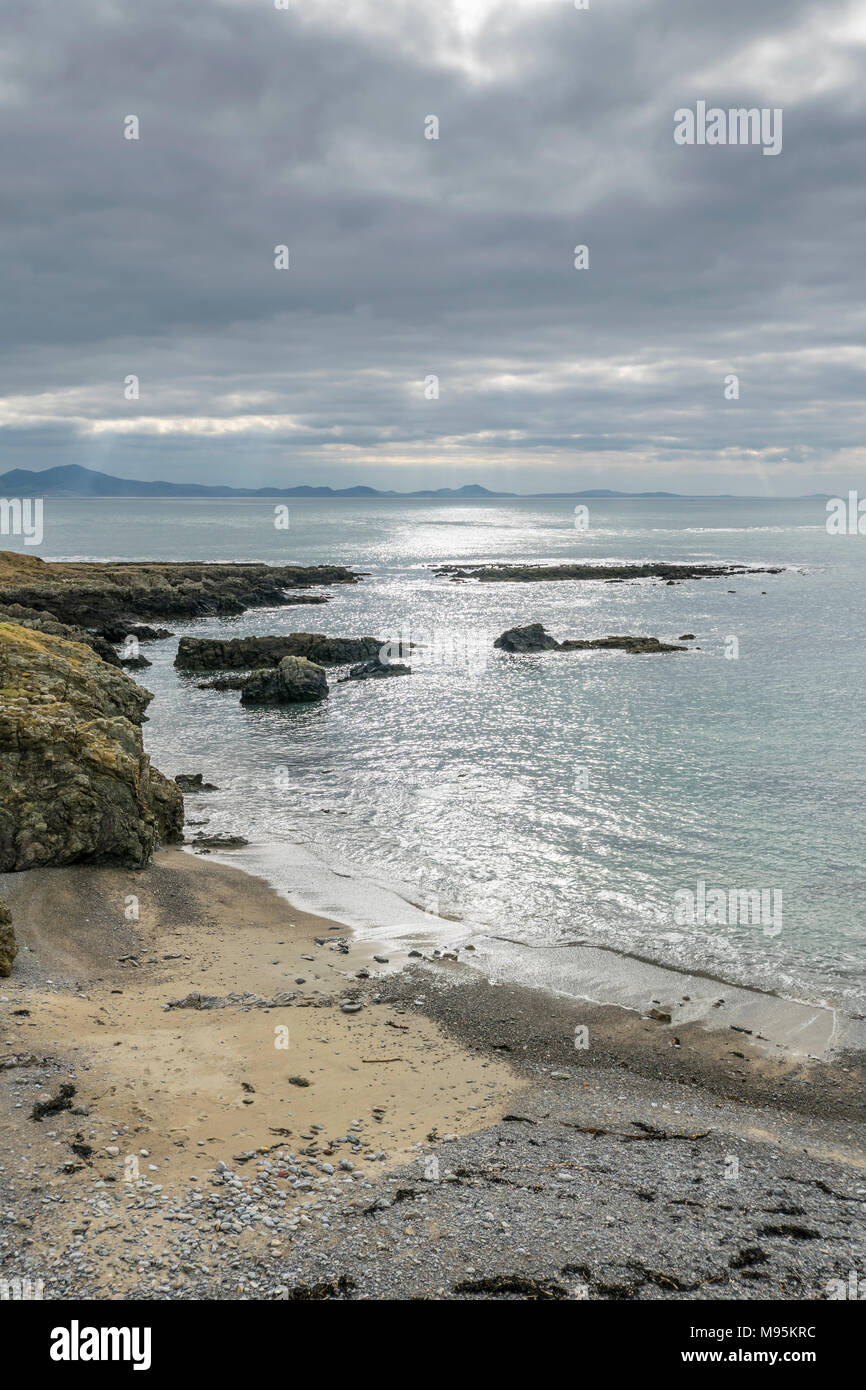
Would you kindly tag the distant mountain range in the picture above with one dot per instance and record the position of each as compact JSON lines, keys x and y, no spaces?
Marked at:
{"x":72,"y":480}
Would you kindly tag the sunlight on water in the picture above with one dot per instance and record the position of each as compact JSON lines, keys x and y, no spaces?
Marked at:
{"x":557,"y":797}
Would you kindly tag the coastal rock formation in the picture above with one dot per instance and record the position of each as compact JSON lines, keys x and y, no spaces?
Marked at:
{"x":118,"y":632}
{"x":75,"y":782}
{"x":8,"y":944}
{"x":98,"y":594}
{"x":531,"y":638}
{"x":295,"y":680}
{"x":250,"y":653}
{"x":527,"y":574}
{"x":194,"y":782}
{"x":534,"y":638}
{"x":44,"y":622}
{"x":224,"y":683}
{"x":219,"y":841}
{"x":376,"y":669}
{"x":636,"y":645}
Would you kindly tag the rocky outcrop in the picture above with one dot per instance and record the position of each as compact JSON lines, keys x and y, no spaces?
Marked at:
{"x":45,"y":622}
{"x":531,"y":638}
{"x":376,"y":669}
{"x":294,"y":681}
{"x":219,"y":841}
{"x":119,"y":632}
{"x":528,"y":574}
{"x":638,"y":646}
{"x":194,"y":782}
{"x":224,"y":683}
{"x":534,"y":638}
{"x":75,"y":782}
{"x":8,"y":944}
{"x":250,"y":653}
{"x":98,"y":595}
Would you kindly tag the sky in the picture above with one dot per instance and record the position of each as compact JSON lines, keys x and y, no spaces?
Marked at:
{"x":412,"y":258}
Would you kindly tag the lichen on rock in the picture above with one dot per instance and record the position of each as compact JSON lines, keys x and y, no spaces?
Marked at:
{"x":75,"y":782}
{"x":8,"y":944}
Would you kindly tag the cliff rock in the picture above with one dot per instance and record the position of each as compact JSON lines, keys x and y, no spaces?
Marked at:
{"x":75,"y":782}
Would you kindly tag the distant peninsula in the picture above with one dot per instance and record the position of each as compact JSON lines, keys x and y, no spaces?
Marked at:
{"x":72,"y":480}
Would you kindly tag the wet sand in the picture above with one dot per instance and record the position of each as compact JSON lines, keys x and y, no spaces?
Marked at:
{"x":191,"y":1164}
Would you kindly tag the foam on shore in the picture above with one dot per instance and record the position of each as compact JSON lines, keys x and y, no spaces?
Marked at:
{"x":385,"y":914}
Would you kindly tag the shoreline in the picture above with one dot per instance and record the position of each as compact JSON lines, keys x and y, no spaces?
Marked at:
{"x":579,"y":970}
{"x":491,"y":1095}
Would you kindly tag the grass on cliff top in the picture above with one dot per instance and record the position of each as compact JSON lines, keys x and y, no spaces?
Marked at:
{"x":29,"y":641}
{"x":15,"y":566}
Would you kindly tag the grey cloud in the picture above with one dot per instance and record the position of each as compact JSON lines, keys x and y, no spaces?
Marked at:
{"x":412,"y":257}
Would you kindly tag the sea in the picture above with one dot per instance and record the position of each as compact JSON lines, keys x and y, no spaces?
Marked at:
{"x":541,"y":800}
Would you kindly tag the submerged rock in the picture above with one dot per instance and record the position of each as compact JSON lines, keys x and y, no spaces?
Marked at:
{"x":636,"y":645}
{"x":220,"y":841}
{"x":295,"y":680}
{"x":75,"y":782}
{"x":534,"y":638}
{"x":224,"y":683}
{"x":376,"y":669}
{"x":8,"y":944}
{"x":525,"y":574}
{"x":194,"y":782}
{"x":250,"y":653}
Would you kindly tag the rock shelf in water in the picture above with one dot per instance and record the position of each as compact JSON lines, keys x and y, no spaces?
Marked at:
{"x":252,"y":653}
{"x":527,"y":574}
{"x":533,"y":638}
{"x":97,"y":594}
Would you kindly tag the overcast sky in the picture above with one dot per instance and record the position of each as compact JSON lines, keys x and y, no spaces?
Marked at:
{"x":412,"y":257}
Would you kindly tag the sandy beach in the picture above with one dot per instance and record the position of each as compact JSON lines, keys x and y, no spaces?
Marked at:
{"x":234,"y":1133}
